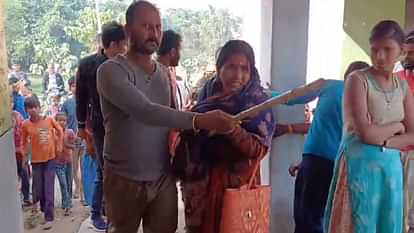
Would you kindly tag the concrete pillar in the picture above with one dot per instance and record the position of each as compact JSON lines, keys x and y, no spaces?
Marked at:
{"x":265,"y":66}
{"x":288,"y":70}
{"x":10,"y":208}
{"x":11,"y":220}
{"x":266,"y":40}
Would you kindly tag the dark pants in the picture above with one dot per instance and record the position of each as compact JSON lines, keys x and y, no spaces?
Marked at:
{"x":128,"y":202}
{"x":24,"y":177}
{"x":311,"y":193}
{"x":44,"y":187}
{"x":97,"y":198}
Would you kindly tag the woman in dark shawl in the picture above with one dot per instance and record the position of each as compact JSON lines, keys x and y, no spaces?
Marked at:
{"x":208,"y":164}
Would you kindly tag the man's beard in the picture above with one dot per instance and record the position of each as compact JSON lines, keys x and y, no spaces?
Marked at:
{"x":140,"y":48}
{"x":143,"y":50}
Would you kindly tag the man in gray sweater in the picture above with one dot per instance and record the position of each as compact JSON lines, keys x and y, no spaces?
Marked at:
{"x":135,"y":98}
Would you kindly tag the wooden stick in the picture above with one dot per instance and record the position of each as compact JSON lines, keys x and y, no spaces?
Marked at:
{"x":281,"y":99}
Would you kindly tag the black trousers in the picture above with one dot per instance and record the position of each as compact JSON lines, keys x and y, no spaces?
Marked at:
{"x":22,"y":172}
{"x":97,"y":199}
{"x":311,"y":193}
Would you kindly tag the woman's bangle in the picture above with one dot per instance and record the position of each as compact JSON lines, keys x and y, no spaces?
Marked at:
{"x":290,"y":128}
{"x":196,"y":130}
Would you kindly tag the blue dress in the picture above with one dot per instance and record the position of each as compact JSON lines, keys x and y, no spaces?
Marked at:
{"x":366,"y":194}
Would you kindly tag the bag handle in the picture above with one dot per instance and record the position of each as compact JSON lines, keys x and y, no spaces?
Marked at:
{"x":254,"y":173}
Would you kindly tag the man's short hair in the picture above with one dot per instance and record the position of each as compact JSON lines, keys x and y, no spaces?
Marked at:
{"x":31,"y":102}
{"x":112,"y":32}
{"x":170,"y":40}
{"x":130,"y":13}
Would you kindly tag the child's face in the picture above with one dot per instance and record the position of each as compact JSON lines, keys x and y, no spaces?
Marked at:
{"x":61,"y":120}
{"x":34,"y":112}
{"x":72,"y":88}
{"x":26,"y":92}
{"x":56,"y":100}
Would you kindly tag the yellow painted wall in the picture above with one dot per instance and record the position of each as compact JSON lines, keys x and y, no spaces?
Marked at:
{"x":359,"y":18}
{"x":5,"y":116}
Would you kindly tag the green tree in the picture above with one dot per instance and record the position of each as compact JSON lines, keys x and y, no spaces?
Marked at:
{"x":62,"y":31}
{"x":203,"y":32}
{"x":39,"y":37}
{"x":18,"y":38}
{"x":117,"y":9}
{"x":84,"y":29}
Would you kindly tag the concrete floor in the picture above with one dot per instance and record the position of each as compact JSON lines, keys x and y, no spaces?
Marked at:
{"x":62,"y":224}
{"x":79,"y":221}
{"x":86,"y":224}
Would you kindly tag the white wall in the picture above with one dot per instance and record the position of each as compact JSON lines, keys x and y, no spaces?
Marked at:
{"x":11,"y":220}
{"x":301,"y":41}
{"x":266,"y":40}
{"x":326,"y":38}
{"x":265,"y":65}
{"x":249,"y":11}
{"x":288,"y":70}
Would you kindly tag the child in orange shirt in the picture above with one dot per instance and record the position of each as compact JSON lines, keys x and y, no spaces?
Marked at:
{"x":41,"y":132}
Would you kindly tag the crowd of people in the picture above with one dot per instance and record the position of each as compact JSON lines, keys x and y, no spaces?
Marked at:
{"x":127,"y":108}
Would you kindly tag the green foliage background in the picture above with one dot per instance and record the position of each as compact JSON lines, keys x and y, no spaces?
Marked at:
{"x":39,"y":32}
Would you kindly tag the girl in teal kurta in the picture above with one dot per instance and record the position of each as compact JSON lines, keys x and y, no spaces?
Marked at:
{"x":366,"y":194}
